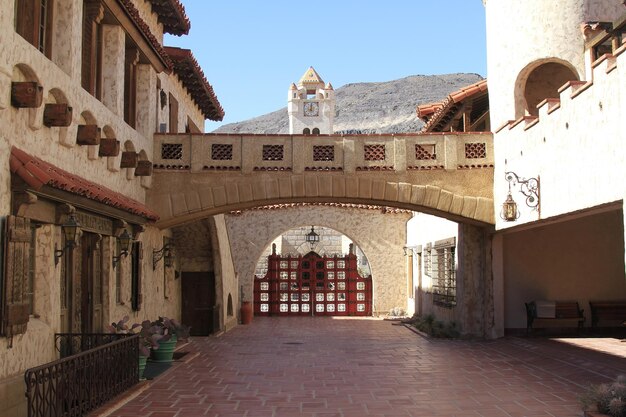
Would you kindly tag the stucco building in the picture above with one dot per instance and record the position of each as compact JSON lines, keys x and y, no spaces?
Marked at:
{"x":102,"y":135}
{"x":84,"y":85}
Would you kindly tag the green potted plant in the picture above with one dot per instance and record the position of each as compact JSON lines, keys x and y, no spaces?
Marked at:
{"x":608,"y":399}
{"x":149,"y":336}
{"x":171,"y":331}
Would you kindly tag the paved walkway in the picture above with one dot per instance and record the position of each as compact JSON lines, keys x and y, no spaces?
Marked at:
{"x":323,"y":367}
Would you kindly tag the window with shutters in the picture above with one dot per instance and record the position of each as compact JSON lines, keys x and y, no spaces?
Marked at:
{"x":136,"y":275}
{"x":173,"y":114}
{"x":91,"y":65}
{"x":33,"y":22}
{"x":32,"y":267}
{"x":15,"y":302}
{"x":130,"y":84}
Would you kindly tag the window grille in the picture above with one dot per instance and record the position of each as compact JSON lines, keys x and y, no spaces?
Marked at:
{"x":323,"y":153}
{"x":425,"y":152}
{"x":374,"y":152}
{"x":443,"y":266}
{"x":172,"y":151}
{"x":475,"y":150}
{"x":427,"y":260}
{"x":222,"y":152}
{"x":273,"y":152}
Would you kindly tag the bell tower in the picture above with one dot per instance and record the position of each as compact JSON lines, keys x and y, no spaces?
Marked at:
{"x":311,"y":105}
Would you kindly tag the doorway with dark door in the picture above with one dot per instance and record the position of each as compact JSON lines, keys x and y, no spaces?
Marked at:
{"x":91,"y":283}
{"x":198,"y":299}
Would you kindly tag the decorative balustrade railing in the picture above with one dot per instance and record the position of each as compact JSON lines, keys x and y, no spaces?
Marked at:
{"x":72,"y":343}
{"x":79,"y":383}
{"x":325,"y":153}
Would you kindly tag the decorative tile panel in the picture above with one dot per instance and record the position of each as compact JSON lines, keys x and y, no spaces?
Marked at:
{"x":323,"y":153}
{"x":475,"y":150}
{"x":222,"y":152}
{"x":171,"y":151}
{"x":273,"y":152}
{"x":425,"y":152}
{"x":374,"y":152}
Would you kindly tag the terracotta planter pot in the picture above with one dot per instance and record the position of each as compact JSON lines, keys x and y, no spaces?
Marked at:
{"x":142,"y":365}
{"x":246,"y":312}
{"x":165,"y":352}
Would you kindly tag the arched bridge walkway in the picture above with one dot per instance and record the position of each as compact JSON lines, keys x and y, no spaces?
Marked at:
{"x":450,"y":175}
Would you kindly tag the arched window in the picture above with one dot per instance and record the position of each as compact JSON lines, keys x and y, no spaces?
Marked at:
{"x":316,"y":131}
{"x":540,"y":83}
{"x":306,"y":131}
{"x":229,"y":307}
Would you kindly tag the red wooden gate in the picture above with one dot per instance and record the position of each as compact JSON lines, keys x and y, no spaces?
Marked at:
{"x":312,"y":285}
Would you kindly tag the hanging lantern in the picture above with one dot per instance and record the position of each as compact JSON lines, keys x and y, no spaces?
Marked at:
{"x":509,"y":212}
{"x":312,"y":237}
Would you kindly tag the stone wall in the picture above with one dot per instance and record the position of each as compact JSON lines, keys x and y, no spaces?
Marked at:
{"x":23,"y":128}
{"x":380,"y":236}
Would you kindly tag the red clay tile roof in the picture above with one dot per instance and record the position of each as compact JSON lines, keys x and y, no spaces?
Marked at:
{"x":172,"y":15}
{"x":192,"y":77}
{"x":145,"y":30}
{"x":37,"y":173}
{"x":426,"y":110}
{"x":432,"y":113}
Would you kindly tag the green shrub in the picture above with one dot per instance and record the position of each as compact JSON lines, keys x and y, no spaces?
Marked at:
{"x":435,"y":328}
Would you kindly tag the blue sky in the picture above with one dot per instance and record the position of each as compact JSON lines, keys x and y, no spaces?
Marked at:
{"x":251,"y":51}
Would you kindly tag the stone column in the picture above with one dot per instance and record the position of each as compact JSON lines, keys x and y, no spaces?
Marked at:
{"x":113,"y":57}
{"x":67,"y":34}
{"x":146,"y":101}
{"x":473,"y":286}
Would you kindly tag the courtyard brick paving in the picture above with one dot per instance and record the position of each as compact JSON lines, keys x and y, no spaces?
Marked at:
{"x":324,"y":367}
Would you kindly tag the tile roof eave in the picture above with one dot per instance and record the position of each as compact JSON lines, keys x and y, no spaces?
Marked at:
{"x":38,"y":173}
{"x":205,"y":98}
{"x":175,"y":22}
{"x":453,"y":98}
{"x":144,"y":28}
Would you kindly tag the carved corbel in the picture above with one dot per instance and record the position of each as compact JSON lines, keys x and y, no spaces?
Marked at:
{"x":94,"y":10}
{"x":137,"y":230}
{"x":22,"y":201}
{"x":119,"y":226}
{"x":62,"y":211}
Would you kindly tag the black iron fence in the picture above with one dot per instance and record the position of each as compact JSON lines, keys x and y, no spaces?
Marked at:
{"x":72,"y":343}
{"x":82,"y":382}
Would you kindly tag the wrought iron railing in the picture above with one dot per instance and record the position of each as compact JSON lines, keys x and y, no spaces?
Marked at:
{"x":79,"y":383}
{"x":72,"y":343}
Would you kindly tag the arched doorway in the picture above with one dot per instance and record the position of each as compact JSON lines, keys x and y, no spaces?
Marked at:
{"x":326,"y":276}
{"x":313,"y":285}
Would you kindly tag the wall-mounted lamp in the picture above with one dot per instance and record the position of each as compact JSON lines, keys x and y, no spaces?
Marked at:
{"x":312,"y":238}
{"x":529,"y":187}
{"x":124,"y":240}
{"x":166,"y":253}
{"x":70,"y":229}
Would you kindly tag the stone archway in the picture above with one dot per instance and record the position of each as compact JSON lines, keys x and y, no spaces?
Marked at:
{"x":364,"y":227}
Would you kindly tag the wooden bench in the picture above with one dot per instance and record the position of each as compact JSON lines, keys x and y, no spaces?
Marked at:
{"x":563,"y":310}
{"x":608,"y":311}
